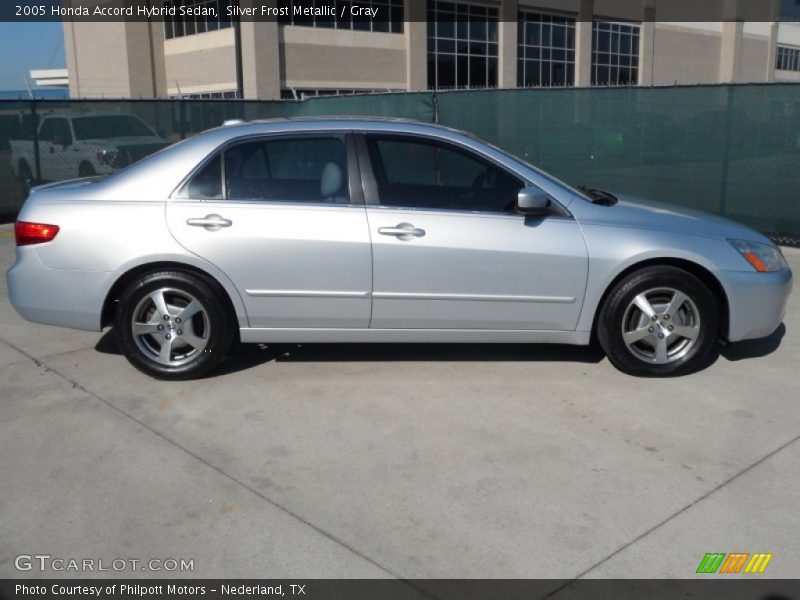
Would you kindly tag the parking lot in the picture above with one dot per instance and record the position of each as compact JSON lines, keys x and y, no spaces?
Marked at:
{"x":397,"y":460}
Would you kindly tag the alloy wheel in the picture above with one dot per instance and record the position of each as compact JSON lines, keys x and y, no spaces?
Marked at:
{"x":170,"y":326}
{"x":661,"y":325}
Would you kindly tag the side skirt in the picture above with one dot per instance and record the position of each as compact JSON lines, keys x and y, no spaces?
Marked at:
{"x":485,"y":336}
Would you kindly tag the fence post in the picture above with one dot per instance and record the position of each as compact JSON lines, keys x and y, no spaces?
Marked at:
{"x":726,"y":151}
{"x":182,"y":117}
{"x":435,"y":107}
{"x":37,"y":164}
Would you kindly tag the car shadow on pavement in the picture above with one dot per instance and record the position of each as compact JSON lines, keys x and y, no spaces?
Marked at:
{"x":245,"y":356}
{"x":754,"y":348}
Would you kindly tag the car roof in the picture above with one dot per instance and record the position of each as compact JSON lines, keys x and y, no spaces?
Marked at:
{"x":344,"y":123}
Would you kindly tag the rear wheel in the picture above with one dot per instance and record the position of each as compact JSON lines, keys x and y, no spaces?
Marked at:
{"x":173,"y":325}
{"x":659,"y":321}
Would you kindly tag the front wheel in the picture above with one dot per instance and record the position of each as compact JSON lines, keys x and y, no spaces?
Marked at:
{"x":173,"y":325}
{"x":659,"y":321}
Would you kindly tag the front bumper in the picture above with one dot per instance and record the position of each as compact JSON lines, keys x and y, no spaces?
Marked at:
{"x":56,"y":296}
{"x":756,"y":302}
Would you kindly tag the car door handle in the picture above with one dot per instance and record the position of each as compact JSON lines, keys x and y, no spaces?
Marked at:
{"x":210,"y":222}
{"x":403,"y":231}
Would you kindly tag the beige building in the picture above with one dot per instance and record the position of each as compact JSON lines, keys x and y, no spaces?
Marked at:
{"x":424,"y":44}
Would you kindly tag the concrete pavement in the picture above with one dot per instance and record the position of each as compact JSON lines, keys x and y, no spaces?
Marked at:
{"x":397,"y":460}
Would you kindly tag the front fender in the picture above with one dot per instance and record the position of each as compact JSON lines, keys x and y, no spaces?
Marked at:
{"x":613,"y":250}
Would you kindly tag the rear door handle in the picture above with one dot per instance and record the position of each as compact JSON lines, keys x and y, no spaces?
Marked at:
{"x":402,"y":231}
{"x":210,"y":222}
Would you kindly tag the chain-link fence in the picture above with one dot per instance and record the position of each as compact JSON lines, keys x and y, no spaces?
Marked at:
{"x":727,"y":149}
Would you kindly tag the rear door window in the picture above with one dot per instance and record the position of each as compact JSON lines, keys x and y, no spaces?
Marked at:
{"x":206,"y":184}
{"x":288,"y":169}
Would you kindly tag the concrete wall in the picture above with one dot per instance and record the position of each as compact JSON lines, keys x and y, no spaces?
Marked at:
{"x":755,"y":53}
{"x":569,"y":6}
{"x":130,"y":67}
{"x":214,"y":50}
{"x":334,"y":58}
{"x":685,"y":54}
{"x":96,"y":67}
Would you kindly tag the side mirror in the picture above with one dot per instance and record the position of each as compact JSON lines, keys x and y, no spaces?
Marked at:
{"x":533,"y":201}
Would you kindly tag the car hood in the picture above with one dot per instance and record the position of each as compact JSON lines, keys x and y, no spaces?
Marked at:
{"x":644,"y":213}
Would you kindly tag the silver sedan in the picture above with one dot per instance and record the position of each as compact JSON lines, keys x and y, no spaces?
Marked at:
{"x":345,"y":230}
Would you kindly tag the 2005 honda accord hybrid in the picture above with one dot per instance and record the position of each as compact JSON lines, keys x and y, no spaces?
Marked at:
{"x":368,"y":230}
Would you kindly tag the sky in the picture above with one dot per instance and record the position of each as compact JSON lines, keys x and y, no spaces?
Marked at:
{"x":26,"y":46}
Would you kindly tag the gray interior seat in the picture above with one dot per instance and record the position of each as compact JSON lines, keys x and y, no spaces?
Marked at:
{"x":331,"y":180}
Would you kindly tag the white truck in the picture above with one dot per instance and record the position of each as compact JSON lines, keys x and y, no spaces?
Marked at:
{"x":73,"y":145}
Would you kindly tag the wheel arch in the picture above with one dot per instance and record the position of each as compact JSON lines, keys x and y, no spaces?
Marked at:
{"x":696,"y":269}
{"x":86,"y":163}
{"x":110,"y":302}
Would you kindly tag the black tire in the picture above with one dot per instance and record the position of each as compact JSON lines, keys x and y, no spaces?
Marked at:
{"x":85,"y":169}
{"x":25,"y":177}
{"x":620,"y":311}
{"x":216,"y":326}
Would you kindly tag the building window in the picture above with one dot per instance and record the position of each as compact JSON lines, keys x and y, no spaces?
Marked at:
{"x":316,"y":13}
{"x":462,"y":45}
{"x":788,"y":58}
{"x":615,"y":53}
{"x":303,"y":93}
{"x":226,"y":95}
{"x":179,"y":26}
{"x":545,"y":50}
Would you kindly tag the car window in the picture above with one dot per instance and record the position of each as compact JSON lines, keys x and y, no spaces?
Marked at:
{"x":418,"y":173}
{"x":61,"y":131}
{"x":206,"y":184}
{"x":302,"y":169}
{"x":46,"y":131}
{"x":110,"y":126}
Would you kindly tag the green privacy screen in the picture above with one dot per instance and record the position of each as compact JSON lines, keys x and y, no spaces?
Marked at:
{"x":726,"y":149}
{"x":730,"y":150}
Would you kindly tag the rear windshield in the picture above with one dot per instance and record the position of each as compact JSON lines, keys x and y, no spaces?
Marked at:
{"x":111,"y":126}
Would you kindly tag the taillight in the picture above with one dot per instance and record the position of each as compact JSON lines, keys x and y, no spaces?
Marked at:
{"x":34,"y":233}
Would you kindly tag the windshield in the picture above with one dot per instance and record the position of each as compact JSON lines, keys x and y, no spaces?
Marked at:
{"x":524,"y":163}
{"x":111,"y":126}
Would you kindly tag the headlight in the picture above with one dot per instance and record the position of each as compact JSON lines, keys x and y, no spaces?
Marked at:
{"x":762,"y":257}
{"x":109,"y":158}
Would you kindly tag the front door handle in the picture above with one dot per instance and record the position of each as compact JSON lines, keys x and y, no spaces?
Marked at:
{"x":402,"y":231}
{"x":210,"y":222}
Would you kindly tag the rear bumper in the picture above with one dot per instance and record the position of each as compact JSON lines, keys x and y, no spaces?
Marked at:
{"x":756,"y":302}
{"x":59,"y":297}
